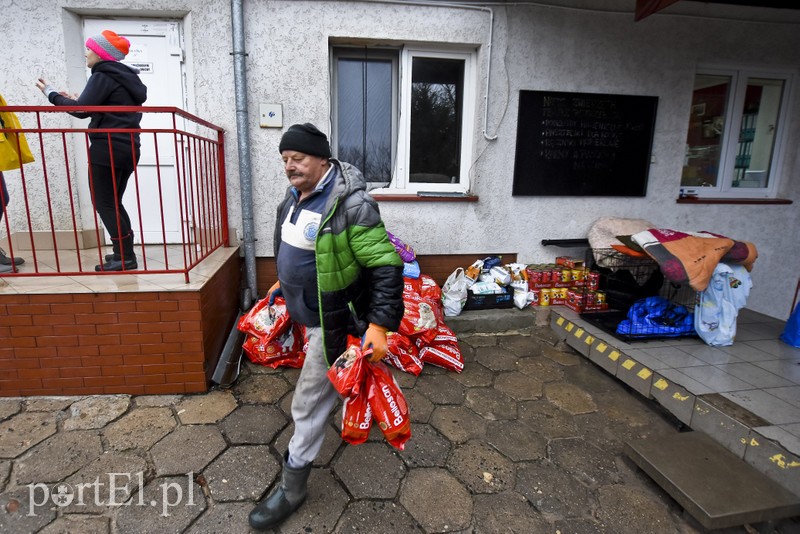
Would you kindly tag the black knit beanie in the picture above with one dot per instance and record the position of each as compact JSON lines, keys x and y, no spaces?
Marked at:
{"x":305,"y":138}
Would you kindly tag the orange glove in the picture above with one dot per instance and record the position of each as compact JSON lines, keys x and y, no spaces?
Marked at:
{"x":274,"y":291}
{"x":375,"y":337}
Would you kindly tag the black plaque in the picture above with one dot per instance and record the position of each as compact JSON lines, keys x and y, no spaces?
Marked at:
{"x":583,"y":144}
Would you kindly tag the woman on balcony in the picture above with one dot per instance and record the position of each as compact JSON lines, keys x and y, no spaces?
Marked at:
{"x":112,"y":157}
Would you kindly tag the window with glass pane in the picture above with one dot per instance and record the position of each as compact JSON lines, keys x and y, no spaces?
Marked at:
{"x":704,"y":141}
{"x":734,"y":136}
{"x":757,"y":133}
{"x":437,"y":94}
{"x":364,"y":114}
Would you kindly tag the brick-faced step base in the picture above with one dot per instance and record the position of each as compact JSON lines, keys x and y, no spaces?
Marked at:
{"x":110,"y":343}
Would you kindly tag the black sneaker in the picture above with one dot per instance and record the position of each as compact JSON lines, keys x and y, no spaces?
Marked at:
{"x":112,"y":257}
{"x":5,"y":260}
{"x":117,"y":265}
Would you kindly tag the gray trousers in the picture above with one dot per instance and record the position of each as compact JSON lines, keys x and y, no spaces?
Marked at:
{"x":314,"y":398}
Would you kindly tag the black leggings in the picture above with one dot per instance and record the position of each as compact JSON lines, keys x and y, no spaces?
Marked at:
{"x":107,"y":200}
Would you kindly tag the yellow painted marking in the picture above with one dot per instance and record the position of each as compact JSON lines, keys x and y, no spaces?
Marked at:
{"x":628,"y":364}
{"x":570,"y":326}
{"x":645,"y":373}
{"x":601,"y":347}
{"x":589,"y":340}
{"x":614,"y":355}
{"x":560,"y":321}
{"x":754,"y":443}
{"x":678,"y":396}
{"x":579,"y":333}
{"x":661,"y":384}
{"x":780,"y":461}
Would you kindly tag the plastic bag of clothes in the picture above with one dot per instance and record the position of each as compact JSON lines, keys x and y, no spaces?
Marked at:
{"x":657,"y":317}
{"x":718,"y":304}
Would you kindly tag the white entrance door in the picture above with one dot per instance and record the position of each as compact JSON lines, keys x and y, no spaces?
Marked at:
{"x":156,"y":50}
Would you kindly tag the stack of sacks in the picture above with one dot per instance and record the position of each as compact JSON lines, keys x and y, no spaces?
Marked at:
{"x":273,"y":339}
{"x":422,"y":336}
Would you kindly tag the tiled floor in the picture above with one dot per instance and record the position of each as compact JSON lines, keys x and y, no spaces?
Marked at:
{"x":758,"y":372}
{"x":156,"y":258}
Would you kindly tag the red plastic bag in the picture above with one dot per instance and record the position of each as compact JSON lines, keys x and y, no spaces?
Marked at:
{"x":265,"y":320}
{"x":388,"y":405}
{"x":347,"y":372}
{"x":356,"y":418}
{"x":402,"y":353}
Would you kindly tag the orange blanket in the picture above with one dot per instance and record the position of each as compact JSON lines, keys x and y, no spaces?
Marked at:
{"x":692,"y":257}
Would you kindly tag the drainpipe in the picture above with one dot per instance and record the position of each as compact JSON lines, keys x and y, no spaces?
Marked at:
{"x":229,"y":364}
{"x":250,"y":289}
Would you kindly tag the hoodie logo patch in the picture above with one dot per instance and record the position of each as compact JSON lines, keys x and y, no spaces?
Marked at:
{"x":310,"y":231}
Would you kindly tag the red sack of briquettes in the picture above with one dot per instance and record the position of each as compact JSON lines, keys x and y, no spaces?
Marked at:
{"x":347,"y":372}
{"x":389,"y":407}
{"x":402,"y":353}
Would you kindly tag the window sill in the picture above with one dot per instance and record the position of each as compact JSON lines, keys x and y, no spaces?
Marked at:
{"x":707,"y":200}
{"x":430,"y":197}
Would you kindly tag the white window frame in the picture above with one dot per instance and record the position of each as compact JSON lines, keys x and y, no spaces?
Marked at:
{"x":400,"y":184}
{"x":733,"y":121}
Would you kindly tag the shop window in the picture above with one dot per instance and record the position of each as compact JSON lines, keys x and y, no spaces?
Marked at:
{"x":404,"y":117}
{"x":735,"y":135}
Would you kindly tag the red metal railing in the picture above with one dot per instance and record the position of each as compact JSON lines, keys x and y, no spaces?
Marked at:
{"x":179,"y":183}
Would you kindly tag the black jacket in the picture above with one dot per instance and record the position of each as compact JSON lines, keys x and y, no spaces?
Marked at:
{"x":111,"y":84}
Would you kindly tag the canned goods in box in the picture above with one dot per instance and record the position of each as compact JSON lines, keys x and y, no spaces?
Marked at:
{"x":599,"y":297}
{"x":578,"y":275}
{"x":545,"y":275}
{"x":535,"y":294}
{"x":566,"y":275}
{"x":592,"y":280}
{"x":560,"y":293}
{"x":544,"y":296}
{"x":590,"y":298}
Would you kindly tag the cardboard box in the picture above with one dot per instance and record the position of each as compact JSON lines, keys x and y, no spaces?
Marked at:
{"x":488,"y":302}
{"x":568,"y":261}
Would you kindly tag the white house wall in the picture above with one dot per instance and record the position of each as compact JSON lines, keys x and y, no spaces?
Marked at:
{"x":566,"y":47}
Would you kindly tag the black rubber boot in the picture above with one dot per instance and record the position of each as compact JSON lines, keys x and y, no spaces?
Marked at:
{"x":283,"y":500}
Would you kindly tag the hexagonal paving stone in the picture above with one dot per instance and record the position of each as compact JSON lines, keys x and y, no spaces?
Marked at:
{"x":23,"y":431}
{"x":541,"y":369}
{"x":241,"y":473}
{"x":58,"y":457}
{"x":516,"y":441}
{"x":168,"y":504}
{"x":440,"y":389}
{"x":92,"y":485}
{"x":552,"y":491}
{"x":419,"y":407}
{"x":78,"y":523}
{"x":519,"y":386}
{"x":403,"y":379}
{"x":584,"y":461}
{"x":522,"y":346}
{"x":376,"y":516}
{"x":476,"y":340}
{"x":621,"y":406}
{"x":5,"y":470}
{"x":580,"y":526}
{"x":547,"y":335}
{"x":9,"y":407}
{"x":590,"y":380}
{"x":475,"y":375}
{"x":436,"y":500}
{"x":262,"y":389}
{"x":371,"y":470}
{"x":569,"y":398}
{"x":205,"y":408}
{"x":187,"y":449}
{"x":547,"y":419}
{"x":507,"y":512}
{"x":96,"y":412}
{"x":223,"y":517}
{"x":482,"y":468}
{"x":458,"y":423}
{"x":565,"y":357}
{"x":20,"y":513}
{"x":50,"y":404}
{"x":324,"y":505}
{"x":252,"y":424}
{"x":139,"y":429}
{"x":623,"y":506}
{"x":491,"y":404}
{"x":157,"y":401}
{"x":497,"y":358}
{"x":426,"y":448}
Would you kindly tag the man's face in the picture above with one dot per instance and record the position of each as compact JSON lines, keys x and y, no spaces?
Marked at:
{"x":303,"y":170}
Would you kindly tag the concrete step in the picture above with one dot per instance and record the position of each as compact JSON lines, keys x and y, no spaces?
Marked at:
{"x":712,"y":484}
{"x":493,"y":321}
